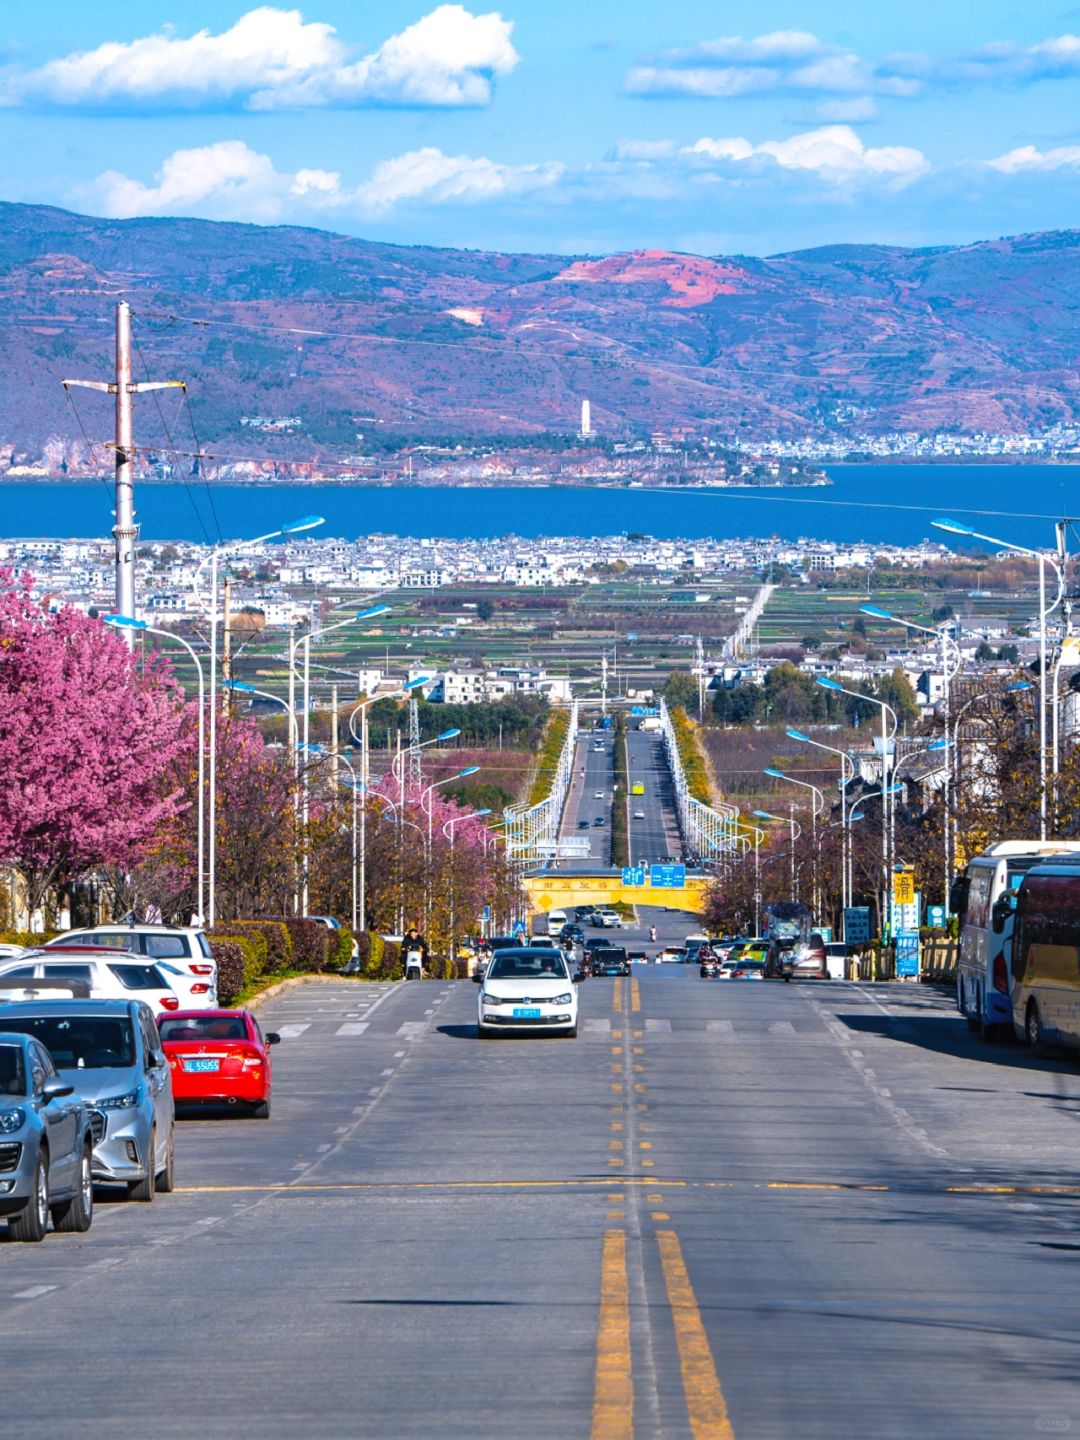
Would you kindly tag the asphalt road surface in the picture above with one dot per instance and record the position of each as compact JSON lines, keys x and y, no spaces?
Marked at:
{"x":589,"y":799}
{"x":655,"y":836}
{"x":726,"y":1209}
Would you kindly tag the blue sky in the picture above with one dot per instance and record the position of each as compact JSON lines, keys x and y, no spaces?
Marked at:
{"x":551,"y":125}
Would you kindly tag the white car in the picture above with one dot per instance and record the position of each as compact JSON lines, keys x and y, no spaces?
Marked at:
{"x":185,"y":947}
{"x":526,"y":989}
{"x":115,"y":975}
{"x":639,"y":814}
{"x":599,"y":795}
{"x":609,"y":919}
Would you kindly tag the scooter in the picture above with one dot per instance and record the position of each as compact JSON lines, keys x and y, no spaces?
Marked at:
{"x":414,"y":965}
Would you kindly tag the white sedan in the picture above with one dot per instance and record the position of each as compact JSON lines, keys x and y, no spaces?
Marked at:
{"x":526,"y":989}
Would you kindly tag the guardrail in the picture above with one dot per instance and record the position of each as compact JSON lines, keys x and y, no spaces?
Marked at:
{"x":532,"y":831}
{"x":710,"y":832}
{"x":937,"y":963}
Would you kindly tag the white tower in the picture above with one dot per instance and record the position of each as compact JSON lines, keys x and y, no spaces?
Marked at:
{"x":586,"y":419}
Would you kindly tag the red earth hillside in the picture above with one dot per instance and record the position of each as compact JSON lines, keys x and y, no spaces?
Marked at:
{"x":692,"y":279}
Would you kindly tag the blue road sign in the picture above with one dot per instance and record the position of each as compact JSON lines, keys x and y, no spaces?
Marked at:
{"x":935,"y":917}
{"x":485,"y":914}
{"x":519,"y":927}
{"x":857,"y":925}
{"x":633,"y":875}
{"x":667,"y":877}
{"x":907,"y":954}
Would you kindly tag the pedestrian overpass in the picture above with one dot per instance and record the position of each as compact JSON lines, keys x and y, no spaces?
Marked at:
{"x":562,"y":892}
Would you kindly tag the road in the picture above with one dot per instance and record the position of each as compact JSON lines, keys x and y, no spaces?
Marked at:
{"x":654,"y":837}
{"x":749,"y":1210}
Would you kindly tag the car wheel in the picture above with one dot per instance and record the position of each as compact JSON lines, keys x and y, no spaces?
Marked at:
{"x":74,"y":1216}
{"x":1033,"y":1026}
{"x":165,"y":1183}
{"x":34,"y":1221}
{"x":261,"y":1111}
{"x":145,"y":1189}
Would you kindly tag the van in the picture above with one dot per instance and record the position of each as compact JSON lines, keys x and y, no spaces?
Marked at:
{"x":982,"y":973}
{"x":1044,"y":921}
{"x":556,"y":920}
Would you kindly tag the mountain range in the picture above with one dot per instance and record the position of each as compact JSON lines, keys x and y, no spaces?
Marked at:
{"x":335,"y":345}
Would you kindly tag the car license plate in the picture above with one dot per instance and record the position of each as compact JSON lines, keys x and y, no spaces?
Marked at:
{"x":521,"y":1013}
{"x":202,"y":1065}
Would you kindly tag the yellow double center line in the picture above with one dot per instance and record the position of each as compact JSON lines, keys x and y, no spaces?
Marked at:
{"x":613,"y":1395}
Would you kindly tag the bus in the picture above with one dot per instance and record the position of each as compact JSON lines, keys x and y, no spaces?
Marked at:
{"x":982,"y":973}
{"x":1044,"y":918}
{"x":638,"y":788}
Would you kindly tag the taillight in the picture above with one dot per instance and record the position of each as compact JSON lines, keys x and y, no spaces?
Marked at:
{"x":200,"y":989}
{"x":201,"y":969}
{"x":252,"y":1061}
{"x":1001,"y":975}
{"x":170,"y":1002}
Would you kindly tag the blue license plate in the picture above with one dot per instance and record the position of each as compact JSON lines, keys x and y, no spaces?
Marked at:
{"x":520,"y":1013}
{"x":203,"y":1065}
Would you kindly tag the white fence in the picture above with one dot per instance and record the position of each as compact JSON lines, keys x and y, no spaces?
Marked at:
{"x":711,"y":834}
{"x":532,"y":830}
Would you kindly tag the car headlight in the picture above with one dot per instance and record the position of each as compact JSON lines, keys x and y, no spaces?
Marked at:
{"x":562,"y":999}
{"x":487,"y":999}
{"x":122,"y":1102}
{"x":11,"y":1120}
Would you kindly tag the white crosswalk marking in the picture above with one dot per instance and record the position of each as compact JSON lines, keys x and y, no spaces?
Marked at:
{"x":412,"y":1029}
{"x":290,"y":1032}
{"x":599,"y":1026}
{"x":781,"y":1027}
{"x":352,"y":1028}
{"x":658,"y":1025}
{"x":721,"y":1027}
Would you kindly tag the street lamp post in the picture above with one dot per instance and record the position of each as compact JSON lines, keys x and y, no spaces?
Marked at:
{"x":241,"y":687}
{"x":796,"y":831}
{"x":818,"y":797}
{"x":361,"y":709}
{"x":886,"y":789}
{"x":845,"y":834}
{"x":953,"y":527}
{"x":309,"y":522}
{"x":354,"y":787}
{"x":448,"y":829}
{"x":430,"y":808}
{"x":126,"y":622}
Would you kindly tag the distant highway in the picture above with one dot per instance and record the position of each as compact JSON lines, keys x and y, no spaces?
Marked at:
{"x":656,"y":836}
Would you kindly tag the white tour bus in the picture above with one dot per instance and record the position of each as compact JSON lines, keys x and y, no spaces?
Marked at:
{"x":982,"y":973}
{"x":1045,"y":926}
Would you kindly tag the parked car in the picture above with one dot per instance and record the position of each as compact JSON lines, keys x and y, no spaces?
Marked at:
{"x":810,"y":960}
{"x":530,"y":990}
{"x":185,"y":947}
{"x":219,"y":1057}
{"x":109,"y":1050}
{"x":45,"y":1144}
{"x":111,"y":975}
{"x":610,"y":960}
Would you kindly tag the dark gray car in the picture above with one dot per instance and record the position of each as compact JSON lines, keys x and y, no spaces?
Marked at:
{"x":45,"y":1144}
{"x":110,"y":1051}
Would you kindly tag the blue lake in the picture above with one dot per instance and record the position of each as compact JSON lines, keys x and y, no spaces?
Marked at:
{"x":889,"y":503}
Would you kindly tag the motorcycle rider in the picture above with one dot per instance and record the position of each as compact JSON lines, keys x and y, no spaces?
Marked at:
{"x":412,"y":941}
{"x":652,"y":933}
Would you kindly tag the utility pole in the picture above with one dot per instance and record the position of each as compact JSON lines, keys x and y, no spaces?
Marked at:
{"x":226,"y":631}
{"x":125,"y":531}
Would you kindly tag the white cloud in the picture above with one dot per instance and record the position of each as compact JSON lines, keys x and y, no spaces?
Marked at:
{"x":1027,"y":158}
{"x":230,"y":181}
{"x":834,"y":152}
{"x":272,"y":59}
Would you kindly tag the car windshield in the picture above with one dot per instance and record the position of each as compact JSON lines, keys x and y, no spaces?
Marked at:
{"x":12,"y":1073}
{"x":79,"y":1042}
{"x":204,"y":1027}
{"x":140,"y":977}
{"x":528,"y":967}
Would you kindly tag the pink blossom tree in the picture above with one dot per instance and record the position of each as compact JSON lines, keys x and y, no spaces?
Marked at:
{"x":88,"y":741}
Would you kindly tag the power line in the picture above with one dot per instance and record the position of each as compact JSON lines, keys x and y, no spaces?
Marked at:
{"x":172,"y":445}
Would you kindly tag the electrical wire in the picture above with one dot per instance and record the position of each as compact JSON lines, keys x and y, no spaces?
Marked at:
{"x":171,"y":444}
{"x":89,"y":443}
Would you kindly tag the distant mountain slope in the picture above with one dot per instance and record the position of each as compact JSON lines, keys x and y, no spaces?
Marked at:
{"x":441,"y":343}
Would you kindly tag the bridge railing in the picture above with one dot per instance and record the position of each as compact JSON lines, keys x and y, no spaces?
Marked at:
{"x":532,"y":831}
{"x":708,"y":831}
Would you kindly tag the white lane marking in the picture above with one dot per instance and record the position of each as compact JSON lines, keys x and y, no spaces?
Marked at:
{"x":399,"y":1054}
{"x":781,"y":1027}
{"x":105,"y":1263}
{"x":356,"y":1027}
{"x":658,"y":1025}
{"x":323,"y":1148}
{"x":412,"y":1029}
{"x":290,"y":1032}
{"x":721,"y":1027}
{"x":599,"y":1026}
{"x":387,"y":1072}
{"x":34,"y":1292}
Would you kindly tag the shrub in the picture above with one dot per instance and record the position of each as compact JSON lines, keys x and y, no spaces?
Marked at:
{"x":279,"y":946}
{"x":311,"y":942}
{"x":252,"y":948}
{"x":229,"y":955}
{"x":390,"y":969}
{"x":344,"y":949}
{"x":371,"y":953}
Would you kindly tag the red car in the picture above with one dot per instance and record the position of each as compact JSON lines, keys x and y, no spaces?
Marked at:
{"x":218,"y":1057}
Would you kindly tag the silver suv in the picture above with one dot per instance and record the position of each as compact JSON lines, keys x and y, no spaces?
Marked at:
{"x":45,"y":1144}
{"x":110,"y":1052}
{"x":186,"y":948}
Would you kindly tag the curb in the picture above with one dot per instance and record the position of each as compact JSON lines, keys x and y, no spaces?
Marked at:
{"x":294,"y":980}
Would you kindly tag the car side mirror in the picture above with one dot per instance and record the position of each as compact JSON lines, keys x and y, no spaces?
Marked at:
{"x":476,"y":979}
{"x":272,"y":1037}
{"x":56,"y":1089}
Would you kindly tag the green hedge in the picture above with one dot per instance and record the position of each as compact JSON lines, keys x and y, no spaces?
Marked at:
{"x":547,"y":761}
{"x":253,"y":951}
{"x":279,"y":945}
{"x":313,"y":944}
{"x":693,"y":761}
{"x":229,"y":955}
